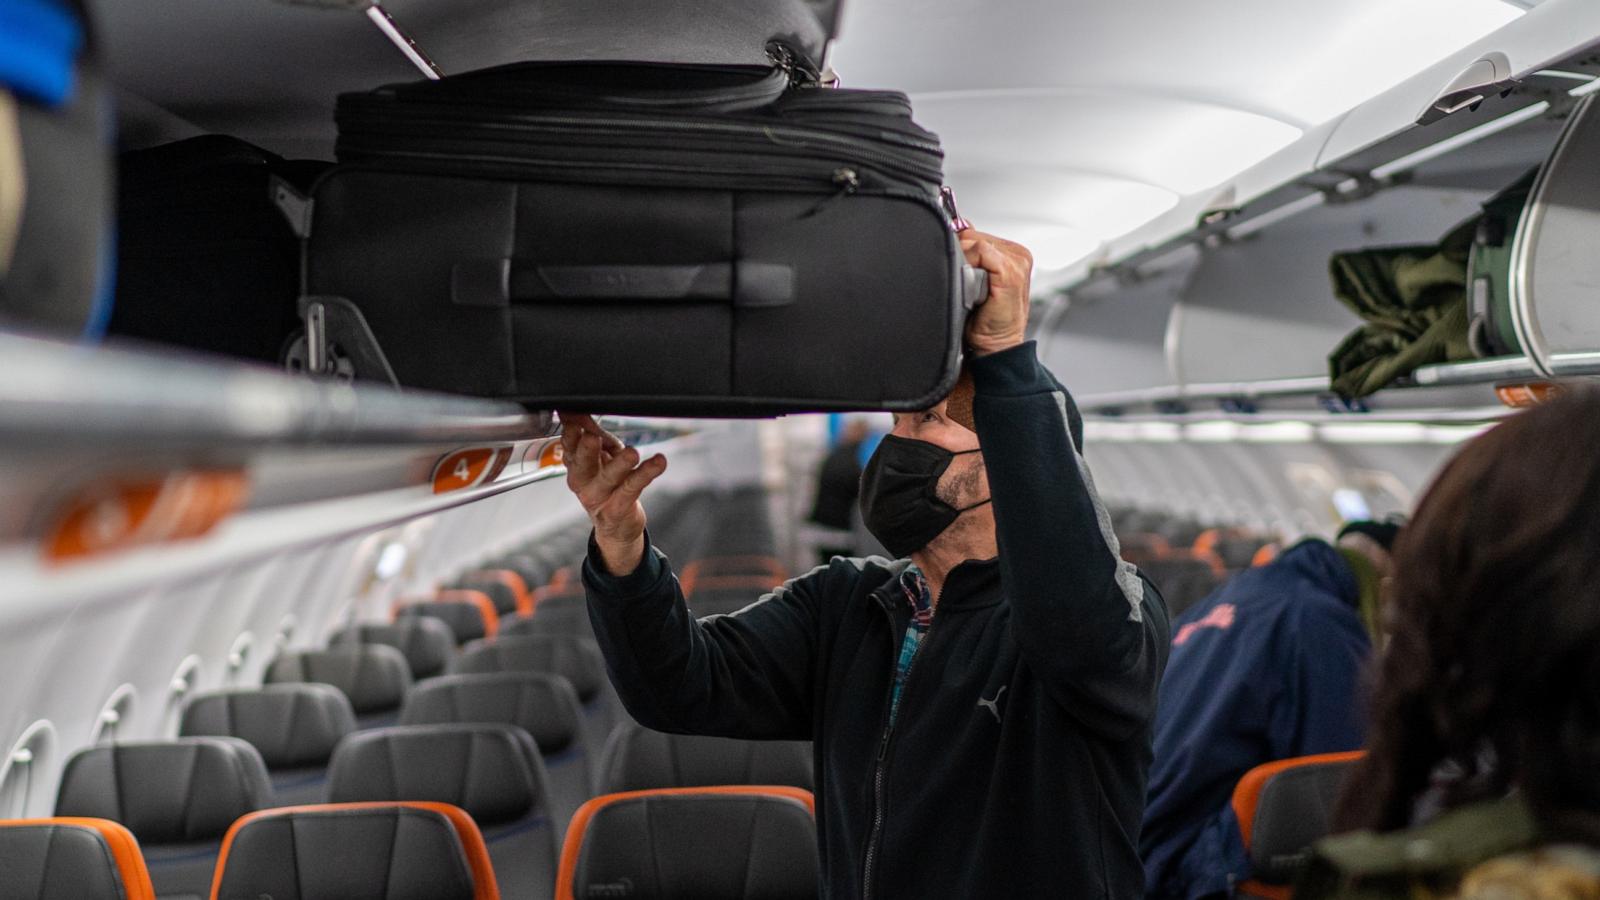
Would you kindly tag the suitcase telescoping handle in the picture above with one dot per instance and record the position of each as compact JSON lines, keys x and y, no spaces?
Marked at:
{"x":504,"y":282}
{"x":497,"y":283}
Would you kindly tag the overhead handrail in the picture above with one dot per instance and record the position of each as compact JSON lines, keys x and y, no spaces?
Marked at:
{"x":59,"y":393}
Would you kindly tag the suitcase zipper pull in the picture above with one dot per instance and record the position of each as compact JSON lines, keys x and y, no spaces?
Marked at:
{"x":947,"y":198}
{"x":847,"y":179}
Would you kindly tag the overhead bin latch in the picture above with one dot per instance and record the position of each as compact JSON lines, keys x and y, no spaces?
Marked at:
{"x":1486,"y":77}
{"x":337,"y":343}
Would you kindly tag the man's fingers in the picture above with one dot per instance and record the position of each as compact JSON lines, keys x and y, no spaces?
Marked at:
{"x":584,"y":460}
{"x":573,"y":425}
{"x":616,"y":468}
{"x":633,"y":485}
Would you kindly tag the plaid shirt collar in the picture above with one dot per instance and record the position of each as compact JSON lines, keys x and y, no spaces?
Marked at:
{"x":918,"y":595}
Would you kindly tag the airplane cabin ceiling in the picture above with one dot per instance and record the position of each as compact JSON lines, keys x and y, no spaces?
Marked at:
{"x":1114,"y":110}
{"x":1067,"y":124}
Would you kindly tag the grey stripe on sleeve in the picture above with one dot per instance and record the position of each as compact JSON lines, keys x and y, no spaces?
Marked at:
{"x":1127,"y":576}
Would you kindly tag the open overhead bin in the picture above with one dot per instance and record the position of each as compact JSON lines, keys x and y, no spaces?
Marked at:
{"x":1259,"y":317}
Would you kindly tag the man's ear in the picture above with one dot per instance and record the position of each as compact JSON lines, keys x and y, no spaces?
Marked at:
{"x":959,"y":407}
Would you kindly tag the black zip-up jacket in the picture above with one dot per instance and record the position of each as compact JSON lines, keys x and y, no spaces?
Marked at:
{"x":1016,"y":766}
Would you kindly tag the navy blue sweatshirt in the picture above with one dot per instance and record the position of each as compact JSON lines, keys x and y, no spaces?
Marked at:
{"x":1016,"y":766}
{"x":1267,"y":668}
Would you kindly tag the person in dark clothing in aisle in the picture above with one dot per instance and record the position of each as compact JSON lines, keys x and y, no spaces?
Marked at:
{"x":1266,"y":668}
{"x":980,"y":707}
{"x":838,"y":487}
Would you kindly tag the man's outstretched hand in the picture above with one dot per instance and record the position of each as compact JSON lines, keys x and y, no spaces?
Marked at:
{"x":608,"y":478}
{"x":1002,"y":321}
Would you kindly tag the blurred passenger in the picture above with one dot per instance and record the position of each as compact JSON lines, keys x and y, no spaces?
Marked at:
{"x":1483,"y":776}
{"x":838,"y":486}
{"x":981,"y":706}
{"x":1268,"y":667}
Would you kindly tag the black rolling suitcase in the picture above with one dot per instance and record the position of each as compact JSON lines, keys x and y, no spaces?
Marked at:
{"x":638,"y":239}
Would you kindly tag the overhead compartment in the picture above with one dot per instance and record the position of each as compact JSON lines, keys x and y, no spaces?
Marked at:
{"x":1253,"y":327}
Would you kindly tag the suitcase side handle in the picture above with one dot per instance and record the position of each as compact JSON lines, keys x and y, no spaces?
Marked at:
{"x":503,"y":282}
{"x":974,"y":286}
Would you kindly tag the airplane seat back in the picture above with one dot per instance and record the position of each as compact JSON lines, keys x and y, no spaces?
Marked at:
{"x":638,"y":758}
{"x":506,"y":587}
{"x":357,"y":851}
{"x":295,"y":728}
{"x":545,"y":706}
{"x":708,"y":843}
{"x":71,"y":859}
{"x":576,"y":659}
{"x":557,"y":614}
{"x":374,"y":677}
{"x":178,"y":798}
{"x":470,"y":614}
{"x":425,"y":642}
{"x":1283,"y":808}
{"x":493,"y":772}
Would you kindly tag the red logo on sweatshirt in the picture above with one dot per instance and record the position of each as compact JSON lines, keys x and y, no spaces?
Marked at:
{"x":1219,"y":618}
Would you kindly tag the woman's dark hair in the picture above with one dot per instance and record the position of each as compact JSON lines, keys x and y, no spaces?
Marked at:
{"x":1492,"y":670}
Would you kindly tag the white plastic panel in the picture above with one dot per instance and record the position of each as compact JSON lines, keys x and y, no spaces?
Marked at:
{"x":1116,"y":341}
{"x":1264,"y":307}
{"x":1557,"y":283}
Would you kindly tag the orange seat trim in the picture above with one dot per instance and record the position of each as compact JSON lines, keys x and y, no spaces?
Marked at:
{"x":484,"y":886}
{"x":560,"y":578}
{"x":1257,"y":890}
{"x":1265,"y":555}
{"x":769,"y":567}
{"x":512,"y":580}
{"x":1247,"y":795}
{"x":579,"y":826}
{"x":491,"y":616}
{"x":125,"y":853}
{"x":548,"y":592}
{"x":1207,"y":541}
{"x":761,"y":584}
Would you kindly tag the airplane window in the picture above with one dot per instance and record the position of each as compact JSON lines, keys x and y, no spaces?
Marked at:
{"x":114,"y":715}
{"x":24,"y":773}
{"x":1350,"y":504}
{"x":390,"y":561}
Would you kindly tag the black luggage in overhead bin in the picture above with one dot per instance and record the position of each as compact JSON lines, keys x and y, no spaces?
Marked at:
{"x":640,"y":239}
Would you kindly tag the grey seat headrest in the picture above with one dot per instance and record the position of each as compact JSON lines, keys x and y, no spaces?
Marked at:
{"x":47,"y":858}
{"x":543,"y":705}
{"x":425,"y":642}
{"x":166,"y":792}
{"x":765,"y":845}
{"x":575,"y":659}
{"x":638,"y":759}
{"x":492,"y":771}
{"x":390,"y":852}
{"x":291,"y":725}
{"x":373,"y":676}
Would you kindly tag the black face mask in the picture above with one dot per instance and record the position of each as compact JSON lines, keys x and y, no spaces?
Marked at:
{"x":899,"y":503}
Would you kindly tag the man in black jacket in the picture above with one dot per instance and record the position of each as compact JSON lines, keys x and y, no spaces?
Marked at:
{"x":981,"y":711}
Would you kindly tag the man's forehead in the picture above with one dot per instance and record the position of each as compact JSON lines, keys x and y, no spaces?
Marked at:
{"x":938,"y":409}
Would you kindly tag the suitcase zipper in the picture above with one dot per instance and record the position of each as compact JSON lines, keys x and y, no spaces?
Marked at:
{"x":771,"y":134}
{"x":847,"y":180}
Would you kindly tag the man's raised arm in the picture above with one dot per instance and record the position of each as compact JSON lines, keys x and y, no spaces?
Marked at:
{"x":746,"y":676}
{"x":1088,"y":623}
